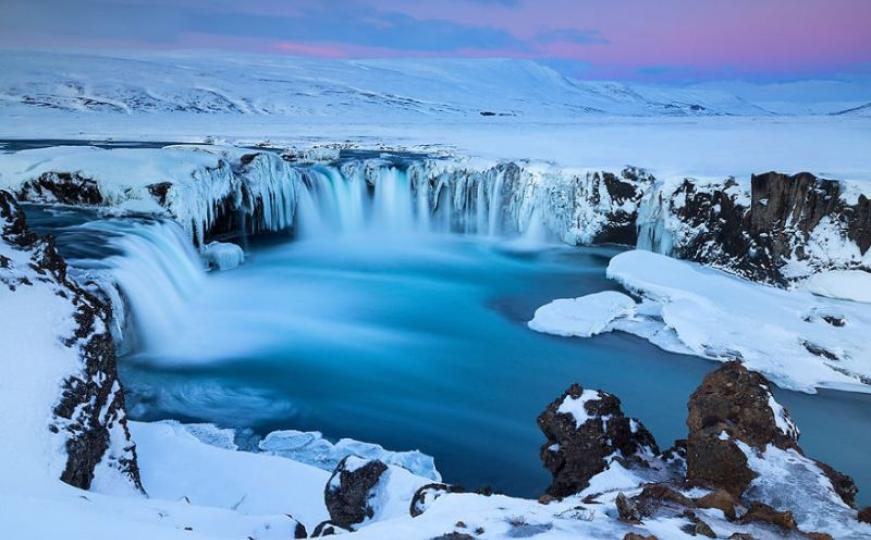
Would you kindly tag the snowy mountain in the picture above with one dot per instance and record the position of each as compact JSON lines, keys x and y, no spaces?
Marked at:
{"x":394,"y":88}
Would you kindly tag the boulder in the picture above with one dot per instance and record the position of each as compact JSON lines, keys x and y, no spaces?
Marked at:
{"x":351,"y":489}
{"x":732,"y":404}
{"x":697,"y":526}
{"x":865,"y":515}
{"x":656,"y":496}
{"x":328,"y":528}
{"x":721,"y":500}
{"x":426,"y":494}
{"x":627,"y":511}
{"x":762,"y":513}
{"x":585,"y":429}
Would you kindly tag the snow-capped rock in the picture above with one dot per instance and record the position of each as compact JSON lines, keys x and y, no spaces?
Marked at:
{"x":57,"y":355}
{"x":586,"y":431}
{"x":223,"y":255}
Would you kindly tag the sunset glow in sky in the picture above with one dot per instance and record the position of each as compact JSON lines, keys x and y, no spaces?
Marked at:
{"x":633,"y":39}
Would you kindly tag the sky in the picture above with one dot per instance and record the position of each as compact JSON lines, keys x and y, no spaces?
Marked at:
{"x":657,"y":40}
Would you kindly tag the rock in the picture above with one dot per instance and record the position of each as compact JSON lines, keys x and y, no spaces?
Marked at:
{"x":584,"y":429}
{"x":656,"y":496}
{"x":756,"y":236}
{"x":426,"y":494}
{"x":636,"y":536}
{"x":843,"y":484}
{"x":865,"y":515}
{"x":299,"y":531}
{"x":761,"y":512}
{"x":818,"y":536}
{"x":721,"y":500}
{"x":89,"y":415}
{"x":61,"y":187}
{"x":731,"y":404}
{"x":741,"y":536}
{"x":350,"y":490}
{"x":697,"y":526}
{"x":626,"y":509}
{"x":328,"y":528}
{"x":454,"y":536}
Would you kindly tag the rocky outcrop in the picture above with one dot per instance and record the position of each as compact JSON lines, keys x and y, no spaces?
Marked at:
{"x":800,"y":219}
{"x":734,"y":405}
{"x":586,"y":430}
{"x":425,"y":495}
{"x":89,"y":414}
{"x":61,"y":188}
{"x":351,"y":490}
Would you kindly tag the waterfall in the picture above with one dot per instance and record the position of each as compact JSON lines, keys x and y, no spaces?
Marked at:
{"x":153,"y":273}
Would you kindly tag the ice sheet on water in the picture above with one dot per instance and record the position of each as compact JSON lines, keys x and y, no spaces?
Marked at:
{"x":310,"y":447}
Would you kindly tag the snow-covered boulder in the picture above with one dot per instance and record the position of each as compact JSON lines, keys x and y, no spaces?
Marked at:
{"x":586,"y":431}
{"x":223,"y":255}
{"x":350,"y":492}
{"x":59,"y":385}
{"x":582,"y":317}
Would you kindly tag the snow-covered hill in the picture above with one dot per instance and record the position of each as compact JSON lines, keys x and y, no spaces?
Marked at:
{"x":395,"y":88}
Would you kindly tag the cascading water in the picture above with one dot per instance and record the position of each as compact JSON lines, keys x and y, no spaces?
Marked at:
{"x":156,"y":270}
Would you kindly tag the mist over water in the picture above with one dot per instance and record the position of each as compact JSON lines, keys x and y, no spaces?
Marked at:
{"x":372,"y":321}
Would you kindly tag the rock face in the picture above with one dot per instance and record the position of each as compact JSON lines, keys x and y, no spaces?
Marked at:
{"x":351,"y":489}
{"x":799,"y":218}
{"x":584,"y":430}
{"x":62,"y":188}
{"x":89,"y":414}
{"x":732,"y":404}
{"x":735,"y":405}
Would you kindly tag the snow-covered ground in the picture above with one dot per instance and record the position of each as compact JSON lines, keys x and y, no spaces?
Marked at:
{"x":799,"y":340}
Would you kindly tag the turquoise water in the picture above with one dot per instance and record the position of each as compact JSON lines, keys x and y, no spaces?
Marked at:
{"x":420,"y":343}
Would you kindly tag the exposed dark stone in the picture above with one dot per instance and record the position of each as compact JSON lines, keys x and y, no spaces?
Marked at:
{"x":627,"y":511}
{"x":63,"y":188}
{"x":327,"y":528}
{"x":426,"y":494}
{"x":160,"y":191}
{"x":762,"y":513}
{"x":865,"y":515}
{"x":625,"y":191}
{"x":299,"y":531}
{"x":636,"y":536}
{"x":741,"y":536}
{"x":843,"y":484}
{"x":731,"y":404}
{"x":454,"y":536}
{"x":696,"y":526}
{"x":818,"y":536}
{"x":91,"y":404}
{"x":656,"y":496}
{"x":721,"y":500}
{"x":574,"y":454}
{"x":756,"y":241}
{"x":350,"y":490}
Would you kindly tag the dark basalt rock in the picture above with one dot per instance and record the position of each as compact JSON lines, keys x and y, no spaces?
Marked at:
{"x":63,"y":188}
{"x":327,"y":528}
{"x":636,"y":536}
{"x":627,"y":511}
{"x":721,"y":500}
{"x":426,"y":494}
{"x":696,"y":526}
{"x":731,"y":404}
{"x":350,"y":490}
{"x":629,"y":187}
{"x":574,"y":454}
{"x":90,"y":409}
{"x":865,"y":515}
{"x":755,"y":241}
{"x":654,"y":497}
{"x":762,"y":513}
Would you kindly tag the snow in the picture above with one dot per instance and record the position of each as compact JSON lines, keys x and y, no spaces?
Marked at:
{"x":718,"y":316}
{"x":310,"y":447}
{"x":582,"y":317}
{"x":844,"y":284}
{"x":575,"y":406}
{"x":223,"y":255}
{"x":788,"y":480}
